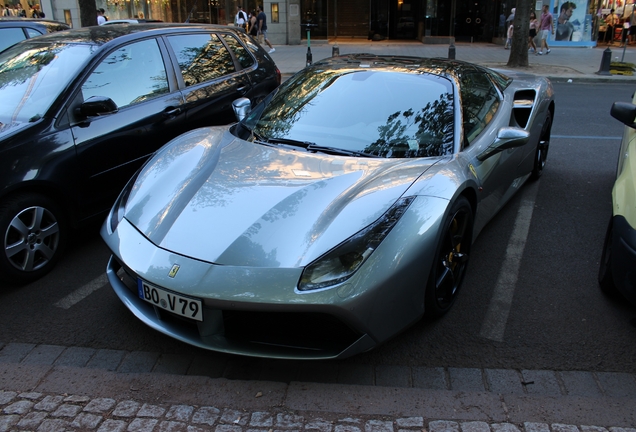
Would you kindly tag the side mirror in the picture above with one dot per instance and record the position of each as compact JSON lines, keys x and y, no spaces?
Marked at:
{"x":625,"y":113}
{"x":507,"y":137}
{"x":95,"y":106}
{"x":241,"y":107}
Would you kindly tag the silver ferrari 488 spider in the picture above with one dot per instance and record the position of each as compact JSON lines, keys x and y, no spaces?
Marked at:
{"x":337,"y":212}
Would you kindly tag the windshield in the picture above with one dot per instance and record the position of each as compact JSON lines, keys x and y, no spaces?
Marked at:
{"x":381,"y":113}
{"x":33,"y":75}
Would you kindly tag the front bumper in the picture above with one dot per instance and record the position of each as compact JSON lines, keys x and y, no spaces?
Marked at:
{"x":624,"y":258}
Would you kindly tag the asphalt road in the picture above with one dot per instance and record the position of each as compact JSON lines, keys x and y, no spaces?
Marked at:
{"x":555,"y":318}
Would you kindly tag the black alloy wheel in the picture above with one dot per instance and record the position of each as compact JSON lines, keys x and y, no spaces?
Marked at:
{"x":543,"y":146}
{"x":33,"y":236}
{"x":451,"y":259}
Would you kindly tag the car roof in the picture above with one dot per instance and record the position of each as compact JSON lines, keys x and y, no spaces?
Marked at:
{"x":101,"y":35}
{"x":130,"y":21}
{"x":33,"y":23}
{"x":448,"y":68}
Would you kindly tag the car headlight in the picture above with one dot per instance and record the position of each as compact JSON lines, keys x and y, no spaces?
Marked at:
{"x":117,"y":212}
{"x":340,"y":263}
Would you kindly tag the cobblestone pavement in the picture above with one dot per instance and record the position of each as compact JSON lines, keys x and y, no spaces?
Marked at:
{"x":34,"y":411}
{"x":48,"y":388}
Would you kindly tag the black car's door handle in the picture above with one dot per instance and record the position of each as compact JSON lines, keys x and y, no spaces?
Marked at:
{"x":242,"y":89}
{"x":172,"y":112}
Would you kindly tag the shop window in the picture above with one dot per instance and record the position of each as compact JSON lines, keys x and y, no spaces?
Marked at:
{"x":274,"y":13}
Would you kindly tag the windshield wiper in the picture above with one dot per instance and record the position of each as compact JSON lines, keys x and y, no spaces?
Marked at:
{"x":338,"y":151}
{"x":291,"y":142}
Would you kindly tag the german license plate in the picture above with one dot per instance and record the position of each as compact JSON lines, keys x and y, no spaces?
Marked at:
{"x":175,"y":303}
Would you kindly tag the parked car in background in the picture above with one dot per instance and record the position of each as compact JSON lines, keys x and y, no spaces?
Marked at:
{"x":617,"y":273}
{"x":130,"y":21}
{"x":335,"y":214}
{"x":14,"y":30}
{"x":83,"y":109}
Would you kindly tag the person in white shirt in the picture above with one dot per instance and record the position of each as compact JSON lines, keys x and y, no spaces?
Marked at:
{"x":100,"y":17}
{"x":241,"y":18}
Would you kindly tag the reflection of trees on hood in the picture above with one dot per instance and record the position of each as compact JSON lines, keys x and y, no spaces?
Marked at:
{"x":433,"y":137}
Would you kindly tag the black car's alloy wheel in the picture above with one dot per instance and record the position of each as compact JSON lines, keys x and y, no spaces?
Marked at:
{"x":541,"y":154}
{"x":451,"y":259}
{"x":32,"y":237}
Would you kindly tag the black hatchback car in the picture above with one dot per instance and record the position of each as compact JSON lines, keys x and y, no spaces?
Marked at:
{"x":14,"y":30}
{"x":83,"y":109}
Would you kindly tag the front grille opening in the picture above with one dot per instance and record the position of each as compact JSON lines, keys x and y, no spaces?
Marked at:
{"x":308,"y":331}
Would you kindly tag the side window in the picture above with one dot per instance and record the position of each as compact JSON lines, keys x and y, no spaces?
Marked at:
{"x":33,"y":32}
{"x":129,"y":75}
{"x":10,"y":36}
{"x":480,"y":102}
{"x":202,"y":57}
{"x":243,"y":56}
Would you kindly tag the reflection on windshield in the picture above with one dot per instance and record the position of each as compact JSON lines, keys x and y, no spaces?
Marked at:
{"x":387,"y":114}
{"x":32,"y":76}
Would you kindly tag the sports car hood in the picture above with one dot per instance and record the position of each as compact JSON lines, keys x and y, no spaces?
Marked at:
{"x":211,"y":196}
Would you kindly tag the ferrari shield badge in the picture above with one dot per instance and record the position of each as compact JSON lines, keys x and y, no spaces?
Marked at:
{"x":173,"y":271}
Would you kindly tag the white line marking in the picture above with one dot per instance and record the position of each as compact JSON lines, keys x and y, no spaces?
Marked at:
{"x":494,"y":324}
{"x":587,"y":137}
{"x":80,"y":294}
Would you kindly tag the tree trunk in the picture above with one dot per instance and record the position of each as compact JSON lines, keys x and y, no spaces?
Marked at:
{"x":519,"y":49}
{"x":88,"y":12}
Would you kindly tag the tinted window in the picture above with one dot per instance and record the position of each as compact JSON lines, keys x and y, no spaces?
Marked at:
{"x":33,"y":32}
{"x":202,"y":57}
{"x":10,"y":36}
{"x":243,"y":56}
{"x":480,"y":101}
{"x":387,"y":114}
{"x":129,"y":75}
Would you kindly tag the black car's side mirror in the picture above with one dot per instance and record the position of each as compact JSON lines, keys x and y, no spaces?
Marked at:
{"x":507,"y":137}
{"x":95,"y":106}
{"x":241,"y":107}
{"x":625,"y":113}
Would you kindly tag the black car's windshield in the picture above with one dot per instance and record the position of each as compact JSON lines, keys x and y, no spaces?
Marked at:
{"x":373,"y":112}
{"x":33,"y":75}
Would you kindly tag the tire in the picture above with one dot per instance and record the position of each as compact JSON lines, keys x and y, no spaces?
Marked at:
{"x":33,"y":235}
{"x":451,"y":260}
{"x":605,"y":279}
{"x":541,"y":155}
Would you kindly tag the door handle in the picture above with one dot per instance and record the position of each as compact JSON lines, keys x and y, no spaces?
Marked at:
{"x":172,"y":111}
{"x":242,"y":89}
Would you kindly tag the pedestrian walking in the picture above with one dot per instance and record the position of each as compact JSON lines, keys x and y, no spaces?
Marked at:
{"x":511,"y":29}
{"x":532,"y":32}
{"x":262,"y":29}
{"x":241,"y":18}
{"x":100,"y":17}
{"x":253,"y":27}
{"x":546,"y":28}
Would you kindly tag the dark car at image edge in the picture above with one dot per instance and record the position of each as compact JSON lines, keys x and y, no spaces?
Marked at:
{"x":14,"y":29}
{"x":83,"y":109}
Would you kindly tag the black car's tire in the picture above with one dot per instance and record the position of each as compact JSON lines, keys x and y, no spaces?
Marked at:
{"x":33,"y":234}
{"x":451,"y":260}
{"x":541,"y":154}
{"x":605,"y":279}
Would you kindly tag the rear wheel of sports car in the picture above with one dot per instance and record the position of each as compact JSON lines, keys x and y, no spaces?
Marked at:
{"x":33,"y":235}
{"x":605,"y":279}
{"x":541,"y":154}
{"x":451,"y":259}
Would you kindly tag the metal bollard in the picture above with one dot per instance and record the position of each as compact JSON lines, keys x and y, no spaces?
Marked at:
{"x":335,"y":51}
{"x":451,"y":51}
{"x":605,"y":63}
{"x":309,"y":57}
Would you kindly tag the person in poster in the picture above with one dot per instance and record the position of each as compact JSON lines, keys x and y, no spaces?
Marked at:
{"x":564,"y":28}
{"x":569,"y":19}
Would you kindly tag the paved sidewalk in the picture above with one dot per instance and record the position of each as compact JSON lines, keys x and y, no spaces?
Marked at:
{"x":578,"y":64}
{"x":52,"y":388}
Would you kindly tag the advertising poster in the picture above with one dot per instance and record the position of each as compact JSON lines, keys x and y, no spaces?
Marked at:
{"x":572,"y":22}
